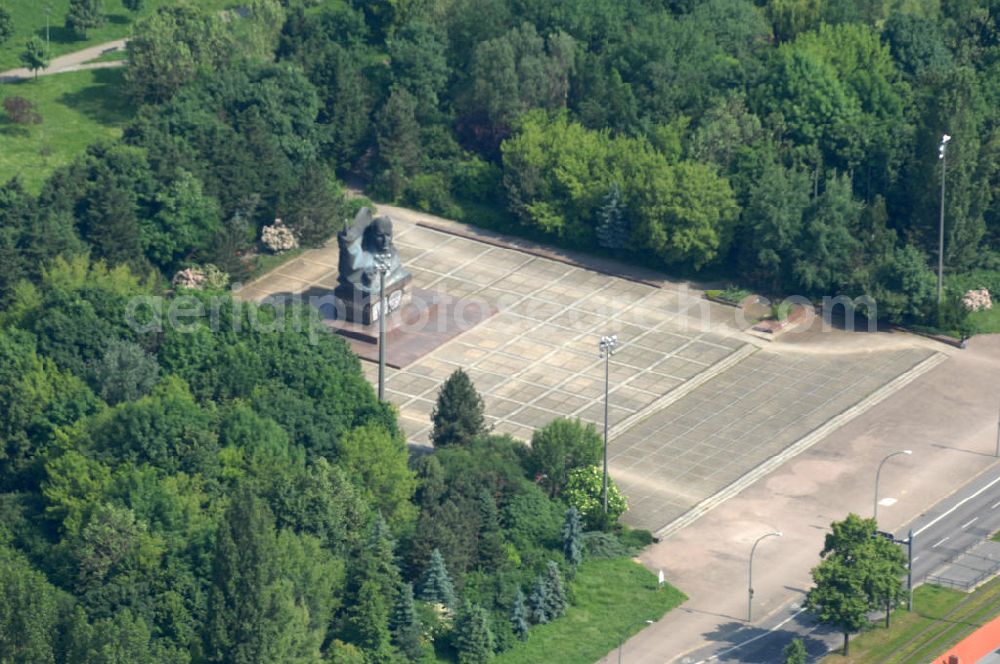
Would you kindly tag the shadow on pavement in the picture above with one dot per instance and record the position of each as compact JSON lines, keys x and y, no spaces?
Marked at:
{"x":738,"y":642}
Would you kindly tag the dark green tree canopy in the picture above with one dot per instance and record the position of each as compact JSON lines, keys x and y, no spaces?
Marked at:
{"x":458,"y":415}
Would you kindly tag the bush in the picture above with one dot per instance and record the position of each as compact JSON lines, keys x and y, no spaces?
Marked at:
{"x":477,"y":180}
{"x":431,"y":192}
{"x":584,"y":490}
{"x":599,"y":545}
{"x":734,"y":294}
{"x":780,"y":310}
{"x":559,"y":448}
{"x":21,"y":111}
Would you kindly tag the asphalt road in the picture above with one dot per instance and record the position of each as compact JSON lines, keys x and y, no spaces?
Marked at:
{"x":942,"y":533}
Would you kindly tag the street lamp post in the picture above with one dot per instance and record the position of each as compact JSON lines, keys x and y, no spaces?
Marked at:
{"x":909,"y":571}
{"x":381,"y":266}
{"x":621,"y":639}
{"x":753,"y":550}
{"x":606,"y":346}
{"x":48,"y":12}
{"x":879,"y":472}
{"x":942,"y":152}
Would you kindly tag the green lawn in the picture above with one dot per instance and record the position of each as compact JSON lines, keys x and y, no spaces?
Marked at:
{"x":29,"y":20}
{"x":941,"y":618}
{"x":78,"y":109}
{"x":611,"y":597}
{"x":987,"y":322}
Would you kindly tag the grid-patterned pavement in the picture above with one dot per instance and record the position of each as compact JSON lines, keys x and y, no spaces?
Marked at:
{"x":537,"y":359}
{"x":670,"y":461}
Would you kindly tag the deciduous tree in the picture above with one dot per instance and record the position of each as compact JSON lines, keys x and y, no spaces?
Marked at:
{"x":84,"y":15}
{"x":6,"y":24}
{"x":34,"y":55}
{"x":559,"y":448}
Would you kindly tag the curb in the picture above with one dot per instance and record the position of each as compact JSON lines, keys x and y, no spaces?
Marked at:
{"x":683,"y":389}
{"x":800,"y":446}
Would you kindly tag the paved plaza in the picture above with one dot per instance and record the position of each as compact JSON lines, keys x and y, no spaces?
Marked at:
{"x":537,"y":358}
{"x":672,"y":460}
{"x":696,"y":404}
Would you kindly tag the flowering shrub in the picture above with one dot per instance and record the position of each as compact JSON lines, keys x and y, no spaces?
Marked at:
{"x":205,"y":277}
{"x":584,"y":491}
{"x":977,"y":300}
{"x":278,"y":238}
{"x":192,"y":277}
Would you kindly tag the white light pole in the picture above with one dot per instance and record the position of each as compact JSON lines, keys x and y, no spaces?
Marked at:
{"x":381,"y":266}
{"x":606,"y":346}
{"x":879,"y":472}
{"x":621,"y":639}
{"x":48,"y":12}
{"x":942,"y":154}
{"x":753,"y":550}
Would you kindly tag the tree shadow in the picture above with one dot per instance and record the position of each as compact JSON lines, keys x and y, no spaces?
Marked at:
{"x":104,"y":101}
{"x":60,"y":34}
{"x":749,"y":644}
{"x":12,"y":129}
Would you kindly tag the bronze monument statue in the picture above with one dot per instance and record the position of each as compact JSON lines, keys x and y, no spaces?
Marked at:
{"x":363,"y":246}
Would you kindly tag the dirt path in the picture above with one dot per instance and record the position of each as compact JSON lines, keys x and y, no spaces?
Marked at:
{"x":76,"y":61}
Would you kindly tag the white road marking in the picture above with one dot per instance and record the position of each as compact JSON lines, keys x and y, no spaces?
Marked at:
{"x":969,"y":523}
{"x":957,"y":505}
{"x":916,"y":558}
{"x":759,"y":636}
{"x":995,"y":505}
{"x":939,"y":543}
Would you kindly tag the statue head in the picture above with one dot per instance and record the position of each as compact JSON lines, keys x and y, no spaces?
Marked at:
{"x":380,"y":235}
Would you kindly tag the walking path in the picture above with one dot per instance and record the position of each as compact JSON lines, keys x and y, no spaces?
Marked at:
{"x":76,"y":61}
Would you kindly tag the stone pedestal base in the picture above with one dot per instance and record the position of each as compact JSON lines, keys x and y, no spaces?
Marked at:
{"x":359,"y":307}
{"x":420,"y":325}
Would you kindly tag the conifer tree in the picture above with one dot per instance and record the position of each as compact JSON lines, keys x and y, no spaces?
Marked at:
{"x":404,"y":625}
{"x":369,"y":621}
{"x":249,"y":614}
{"x":519,"y":616}
{"x":458,"y":416}
{"x":437,"y":586}
{"x":491,"y":549}
{"x":473,"y":638}
{"x":556,"y":602}
{"x":538,"y":601}
{"x":573,"y":537}
{"x":613,"y":227}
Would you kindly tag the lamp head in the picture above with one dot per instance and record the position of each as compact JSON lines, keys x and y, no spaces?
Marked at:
{"x":779,"y":534}
{"x":908,"y":452}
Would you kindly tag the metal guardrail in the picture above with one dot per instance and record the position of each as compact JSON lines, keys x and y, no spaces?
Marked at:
{"x":960,"y":585}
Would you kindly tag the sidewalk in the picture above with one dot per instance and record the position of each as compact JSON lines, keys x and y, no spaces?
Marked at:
{"x":76,"y":61}
{"x":947,"y":417}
